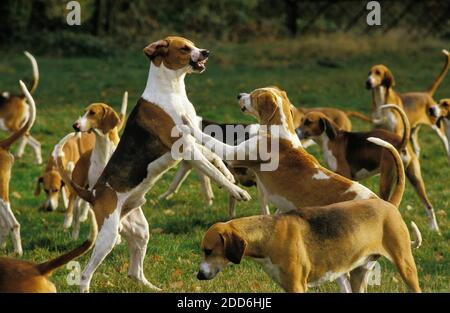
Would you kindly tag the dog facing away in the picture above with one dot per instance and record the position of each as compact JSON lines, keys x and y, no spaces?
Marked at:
{"x":51,"y":181}
{"x":419,"y":106}
{"x":8,"y":222}
{"x":351,"y":155}
{"x":18,"y":276}
{"x":144,"y":154}
{"x":101,"y":120}
{"x":14,"y":112}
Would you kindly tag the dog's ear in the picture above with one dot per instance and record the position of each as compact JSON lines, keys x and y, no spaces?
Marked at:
{"x":37,"y":191}
{"x":157,"y":49}
{"x":234,"y":246}
{"x":109,"y":121}
{"x":329,"y":128}
{"x":267,"y":107}
{"x":388,"y":79}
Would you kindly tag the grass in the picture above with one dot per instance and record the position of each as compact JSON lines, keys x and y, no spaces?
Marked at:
{"x":327,"y":71}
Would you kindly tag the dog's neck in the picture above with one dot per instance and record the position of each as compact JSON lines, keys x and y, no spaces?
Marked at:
{"x":105,"y":144}
{"x":256,"y":231}
{"x":379,"y":97}
{"x":163,"y":83}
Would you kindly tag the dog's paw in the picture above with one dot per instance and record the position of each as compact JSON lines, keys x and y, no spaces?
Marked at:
{"x":166,"y":196}
{"x":240,"y":194}
{"x":68,"y":221}
{"x":184,"y":129}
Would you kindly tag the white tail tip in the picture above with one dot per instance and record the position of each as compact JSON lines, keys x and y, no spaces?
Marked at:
{"x":418,"y":236}
{"x":444,"y":51}
{"x":380,"y":142}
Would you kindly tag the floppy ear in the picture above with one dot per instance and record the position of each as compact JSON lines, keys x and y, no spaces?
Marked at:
{"x":37,"y":191}
{"x":157,"y":49}
{"x":109,"y":120}
{"x":266,"y":107}
{"x":388,"y":79}
{"x":234,"y":246}
{"x":330,"y":130}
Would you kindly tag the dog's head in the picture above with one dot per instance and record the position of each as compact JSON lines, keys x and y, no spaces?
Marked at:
{"x":380,"y":75}
{"x":270,"y":106}
{"x":221,"y":245}
{"x":52,"y":183}
{"x":177,"y":53}
{"x":97,"y":116}
{"x":314,"y":124}
{"x":444,"y":108}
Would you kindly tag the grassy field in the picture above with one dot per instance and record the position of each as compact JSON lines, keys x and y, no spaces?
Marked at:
{"x":316,"y":71}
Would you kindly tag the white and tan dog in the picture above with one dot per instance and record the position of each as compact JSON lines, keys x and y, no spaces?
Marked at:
{"x":420,"y":107}
{"x":299,"y":180}
{"x":144,"y":154}
{"x":8,"y":222}
{"x":101,"y":120}
{"x":14,"y":112}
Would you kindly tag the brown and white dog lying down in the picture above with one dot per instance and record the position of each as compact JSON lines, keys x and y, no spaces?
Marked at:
{"x":51,"y":181}
{"x":101,"y":120}
{"x":145,"y":152}
{"x":319,"y":244}
{"x":420,"y":107}
{"x":18,"y":276}
{"x":351,"y":155}
{"x":14,"y":112}
{"x":299,"y":180}
{"x":8,"y":222}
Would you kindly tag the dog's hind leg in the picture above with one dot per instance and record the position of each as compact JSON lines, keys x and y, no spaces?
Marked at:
{"x":12,"y":225}
{"x":415,"y":140}
{"x":135,"y":230}
{"x":207,"y":192}
{"x":21,"y":148}
{"x":36,"y":146}
{"x":182,"y":173}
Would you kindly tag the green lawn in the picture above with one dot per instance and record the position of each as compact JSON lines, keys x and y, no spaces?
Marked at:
{"x":314,"y":72}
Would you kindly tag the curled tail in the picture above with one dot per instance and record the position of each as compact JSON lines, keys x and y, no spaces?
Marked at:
{"x":397,"y":194}
{"x":83,"y":193}
{"x":123,"y":111}
{"x":6,"y":143}
{"x":35,"y":81}
{"x":48,"y":267}
{"x":441,"y":75}
{"x":407,"y":127}
{"x":359,"y":116}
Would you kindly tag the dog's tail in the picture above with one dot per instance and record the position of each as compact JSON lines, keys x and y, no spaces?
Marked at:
{"x":358,"y":115}
{"x":123,"y":111}
{"x":6,"y":143}
{"x":397,"y":194}
{"x":441,"y":75}
{"x":417,"y":236}
{"x":48,"y":267}
{"x":83,"y":193}
{"x":34,"y":65}
{"x":407,"y":127}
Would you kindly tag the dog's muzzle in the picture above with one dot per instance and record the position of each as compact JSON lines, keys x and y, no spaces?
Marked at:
{"x":368,"y":84}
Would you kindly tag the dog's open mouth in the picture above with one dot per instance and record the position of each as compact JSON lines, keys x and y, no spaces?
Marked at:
{"x":199,"y":66}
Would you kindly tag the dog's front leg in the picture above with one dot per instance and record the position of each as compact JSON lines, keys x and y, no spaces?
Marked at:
{"x":180,"y":176}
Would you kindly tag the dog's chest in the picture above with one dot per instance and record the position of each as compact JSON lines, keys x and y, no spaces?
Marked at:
{"x":271,"y":269}
{"x":328,"y":154}
{"x":278,"y":201}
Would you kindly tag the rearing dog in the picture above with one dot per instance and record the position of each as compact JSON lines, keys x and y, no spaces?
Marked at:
{"x":8,"y":222}
{"x":420,"y":107}
{"x":351,"y":155}
{"x":143,"y":154}
{"x":14,"y":112}
{"x":299,"y":180}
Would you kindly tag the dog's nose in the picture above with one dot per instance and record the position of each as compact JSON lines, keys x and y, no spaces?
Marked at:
{"x":205,"y":53}
{"x":239,"y":96}
{"x":368,"y":84}
{"x":76,"y":126}
{"x":201,"y":276}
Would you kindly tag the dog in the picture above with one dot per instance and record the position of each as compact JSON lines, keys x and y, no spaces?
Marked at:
{"x":8,"y":222}
{"x":420,"y":107}
{"x":299,"y":180}
{"x":14,"y":112}
{"x":51,"y":180}
{"x":350,"y":155}
{"x":101,"y":120}
{"x":233,"y":133}
{"x":150,"y":145}
{"x":18,"y":276}
{"x":443,"y":122}
{"x":319,"y":244}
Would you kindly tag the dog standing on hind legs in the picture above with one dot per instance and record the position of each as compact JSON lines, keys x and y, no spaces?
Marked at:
{"x":14,"y":112}
{"x":8,"y":222}
{"x":149,"y":141}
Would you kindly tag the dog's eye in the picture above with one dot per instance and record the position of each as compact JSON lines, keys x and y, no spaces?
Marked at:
{"x":208,"y":252}
{"x":91,"y":112}
{"x":377,"y":72}
{"x":445,"y":104}
{"x":185,"y":49}
{"x":46,"y":190}
{"x":55,"y":190}
{"x":307,"y":122}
